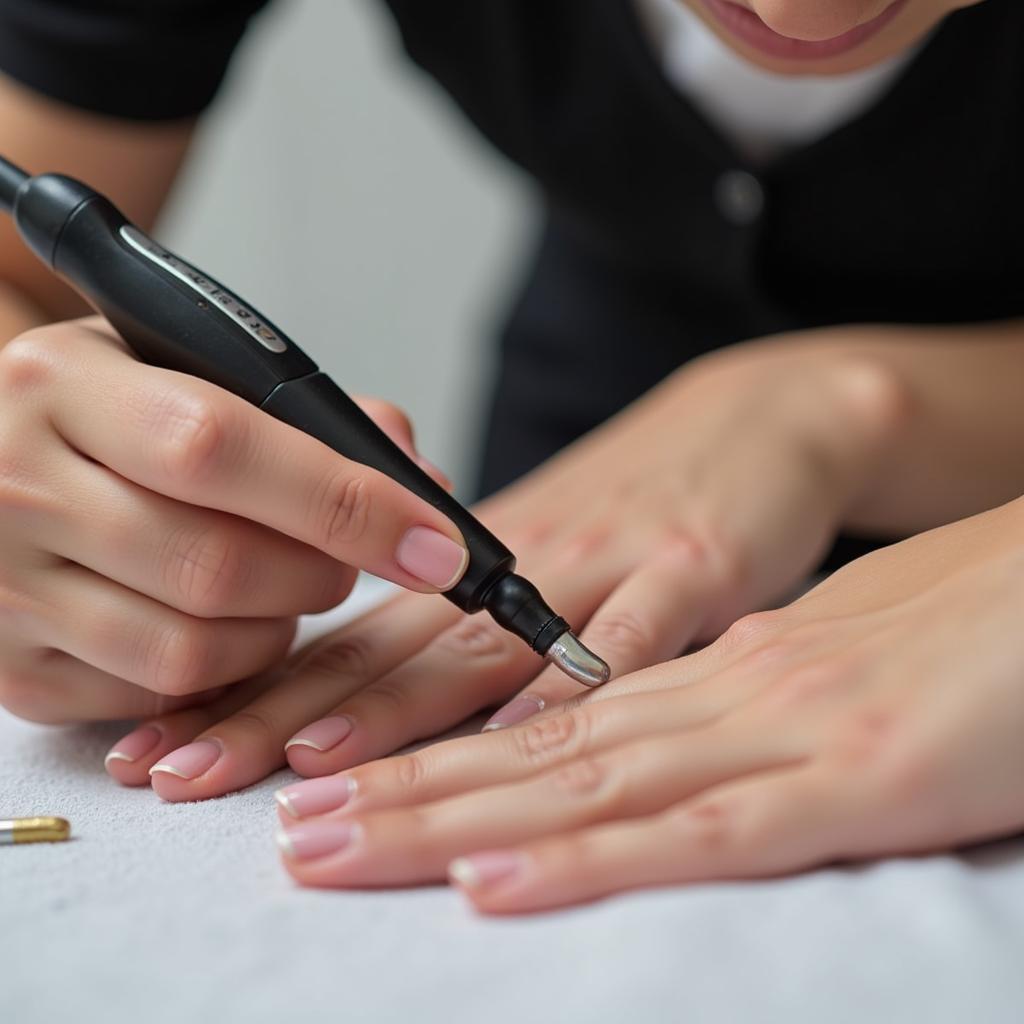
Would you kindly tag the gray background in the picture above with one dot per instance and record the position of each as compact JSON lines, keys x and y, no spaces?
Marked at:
{"x":336,"y":188}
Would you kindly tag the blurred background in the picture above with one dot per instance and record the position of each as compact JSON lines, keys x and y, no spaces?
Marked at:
{"x":335,"y":187}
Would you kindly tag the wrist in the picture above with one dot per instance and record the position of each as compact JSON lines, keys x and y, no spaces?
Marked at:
{"x":864,"y":406}
{"x":838,"y":409}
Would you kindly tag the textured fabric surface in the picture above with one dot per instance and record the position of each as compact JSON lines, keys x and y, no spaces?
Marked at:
{"x":167,"y":913}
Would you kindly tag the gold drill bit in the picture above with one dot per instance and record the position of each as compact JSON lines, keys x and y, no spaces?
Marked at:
{"x":34,"y":830}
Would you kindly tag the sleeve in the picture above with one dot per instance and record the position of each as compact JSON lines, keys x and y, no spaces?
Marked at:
{"x":137,"y":59}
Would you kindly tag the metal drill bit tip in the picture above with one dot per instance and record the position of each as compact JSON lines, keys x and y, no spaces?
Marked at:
{"x":577,"y":662}
{"x":34,"y":830}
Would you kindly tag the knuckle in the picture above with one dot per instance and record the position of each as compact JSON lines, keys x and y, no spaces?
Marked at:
{"x":752,"y":630}
{"x":180,"y":662}
{"x":341,"y":510}
{"x":259,"y":731}
{"x":410,"y":772}
{"x":207,"y":570}
{"x":622,"y":632}
{"x":873,"y":743}
{"x":707,"y":826}
{"x":478,"y":640}
{"x":682,"y":546}
{"x":190,"y":433}
{"x":584,"y":778}
{"x":550,"y":739}
{"x":27,"y":363}
{"x":808,"y":684}
{"x":391,"y":694}
{"x":339,"y":658}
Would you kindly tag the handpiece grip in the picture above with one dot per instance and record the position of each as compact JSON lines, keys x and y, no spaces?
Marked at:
{"x":176,"y":317}
{"x":316,"y":405}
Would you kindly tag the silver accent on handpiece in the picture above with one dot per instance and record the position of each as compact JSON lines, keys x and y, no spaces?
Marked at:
{"x":577,"y":662}
{"x":229,"y":304}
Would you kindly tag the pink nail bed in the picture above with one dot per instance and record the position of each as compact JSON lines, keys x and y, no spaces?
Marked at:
{"x":135,"y":745}
{"x":316,"y":796}
{"x":432,"y":557}
{"x":316,"y":839}
{"x":482,"y":869}
{"x":189,"y":762}
{"x":323,"y":735}
{"x":514,"y":712}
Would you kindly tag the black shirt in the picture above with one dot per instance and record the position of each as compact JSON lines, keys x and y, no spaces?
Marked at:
{"x":913,"y":212}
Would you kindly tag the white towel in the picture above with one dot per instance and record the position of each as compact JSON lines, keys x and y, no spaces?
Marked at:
{"x":165,"y":914}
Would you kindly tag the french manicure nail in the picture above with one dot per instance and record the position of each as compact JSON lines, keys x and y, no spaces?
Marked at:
{"x":135,"y":745}
{"x":189,"y":762}
{"x":514,"y":712}
{"x":317,"y":839}
{"x":316,"y":796}
{"x":432,"y":557}
{"x":483,"y":869}
{"x":323,"y":735}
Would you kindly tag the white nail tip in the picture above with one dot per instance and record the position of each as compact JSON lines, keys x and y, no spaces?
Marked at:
{"x":305,"y":743}
{"x":284,"y":843}
{"x":282,"y":798}
{"x":116,"y":756}
{"x":168,"y":770}
{"x":461,"y":870}
{"x":494,"y":727}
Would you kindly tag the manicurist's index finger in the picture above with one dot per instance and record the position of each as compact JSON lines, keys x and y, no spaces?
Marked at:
{"x":194,"y":442}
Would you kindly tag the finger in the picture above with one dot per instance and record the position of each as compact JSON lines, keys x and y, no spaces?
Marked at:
{"x":130,"y":759}
{"x":675,"y":696}
{"x":53,"y":688}
{"x":636,"y":779}
{"x":465,"y":668}
{"x":766,"y":825}
{"x":136,"y":639}
{"x":189,"y":440}
{"x":651,"y":617}
{"x":474,"y":762}
{"x":201,"y":562}
{"x":398,"y":427}
{"x":231,"y":749}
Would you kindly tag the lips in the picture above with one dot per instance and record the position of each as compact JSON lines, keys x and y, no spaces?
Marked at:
{"x":750,"y":29}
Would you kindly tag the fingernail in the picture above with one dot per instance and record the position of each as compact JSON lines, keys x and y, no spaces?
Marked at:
{"x":514,"y":712}
{"x":323,"y":735}
{"x":317,"y":839}
{"x":317,"y":796}
{"x":432,"y":557}
{"x":482,"y":869}
{"x":189,"y":762}
{"x":135,"y":745}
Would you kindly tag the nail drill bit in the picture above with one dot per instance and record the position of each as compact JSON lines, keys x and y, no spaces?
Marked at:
{"x":577,"y":661}
{"x":34,"y":830}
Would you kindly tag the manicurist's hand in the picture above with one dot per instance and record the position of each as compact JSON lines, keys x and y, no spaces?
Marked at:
{"x":158,"y":536}
{"x":880,"y":714}
{"x":713,"y":495}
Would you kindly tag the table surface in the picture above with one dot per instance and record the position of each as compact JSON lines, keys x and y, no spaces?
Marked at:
{"x":168,"y":913}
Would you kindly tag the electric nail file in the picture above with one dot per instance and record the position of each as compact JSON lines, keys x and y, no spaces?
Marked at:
{"x":173,"y":315}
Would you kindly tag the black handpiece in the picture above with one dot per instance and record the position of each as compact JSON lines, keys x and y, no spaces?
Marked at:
{"x":173,"y":315}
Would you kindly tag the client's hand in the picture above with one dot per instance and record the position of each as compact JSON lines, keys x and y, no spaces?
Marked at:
{"x":880,"y":714}
{"x":712,"y":496}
